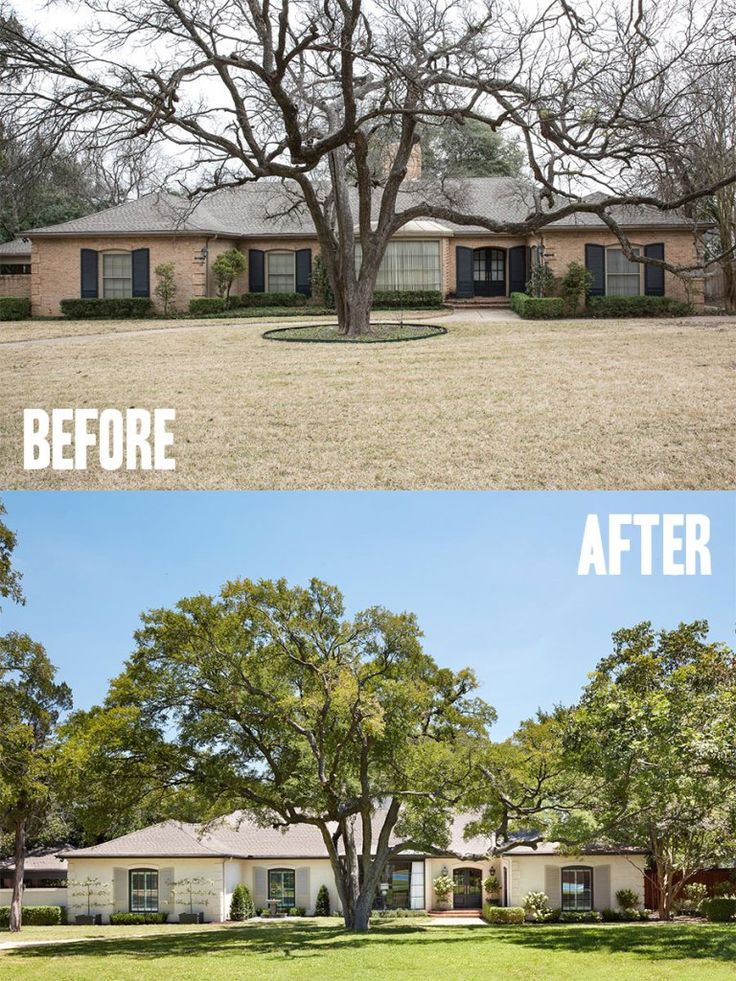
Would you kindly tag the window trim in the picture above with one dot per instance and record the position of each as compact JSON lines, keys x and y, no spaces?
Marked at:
{"x":576,"y":908}
{"x":641,"y":266}
{"x":101,"y":273}
{"x":281,"y":870}
{"x":147,"y":907}
{"x":267,"y":276}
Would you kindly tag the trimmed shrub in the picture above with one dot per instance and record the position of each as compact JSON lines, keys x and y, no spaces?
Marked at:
{"x":137,"y":919}
{"x":503,"y":914}
{"x":407,"y":299}
{"x":271,"y":300}
{"x":241,"y":905}
{"x":624,"y":915}
{"x":637,"y":306}
{"x":111,"y":307}
{"x":536,"y":905}
{"x":627,"y":899}
{"x":15,"y":308}
{"x":537,"y":307}
{"x":399,"y":914}
{"x":206,"y":304}
{"x":34,"y":916}
{"x":719,"y":910}
{"x":575,"y":916}
{"x":297,"y":911}
{"x":322,"y":907}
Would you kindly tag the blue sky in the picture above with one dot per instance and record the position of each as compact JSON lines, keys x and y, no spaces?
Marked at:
{"x":491,"y":576}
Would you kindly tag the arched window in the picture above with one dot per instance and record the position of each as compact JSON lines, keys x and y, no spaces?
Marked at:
{"x":577,"y":888}
{"x":143,"y":890}
{"x":282,"y":888}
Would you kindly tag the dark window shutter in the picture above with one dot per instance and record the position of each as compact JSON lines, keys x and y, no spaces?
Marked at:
{"x":141,"y":273}
{"x":595,"y":263}
{"x":256,"y":271}
{"x":464,"y":272}
{"x":304,"y":271}
{"x":89,"y":274}
{"x":654,"y":275}
{"x":518,"y":274}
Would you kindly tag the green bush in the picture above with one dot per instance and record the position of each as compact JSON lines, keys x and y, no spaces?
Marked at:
{"x":407,"y":300}
{"x":15,"y":308}
{"x":624,"y":915}
{"x":34,"y":916}
{"x":398,"y":914}
{"x":536,"y":905}
{"x":322,"y":907}
{"x":206,"y":304}
{"x":503,"y":914}
{"x":537,"y":307}
{"x":719,"y":910}
{"x":627,"y":899}
{"x":241,"y":905}
{"x":247,"y":300}
{"x":137,"y":919}
{"x":637,"y":306}
{"x":297,"y":911}
{"x":112,"y":308}
{"x":575,"y":916}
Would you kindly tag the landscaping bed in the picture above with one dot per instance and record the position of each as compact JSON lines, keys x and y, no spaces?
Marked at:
{"x":381,"y":332}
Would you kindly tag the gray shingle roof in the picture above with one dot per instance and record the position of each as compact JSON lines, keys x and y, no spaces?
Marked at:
{"x":18,"y":247}
{"x":266,"y":209}
{"x":38,"y":860}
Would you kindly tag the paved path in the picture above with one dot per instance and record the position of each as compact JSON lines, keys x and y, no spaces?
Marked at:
{"x":455,"y":921}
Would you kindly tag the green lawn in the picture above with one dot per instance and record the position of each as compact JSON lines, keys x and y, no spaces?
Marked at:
{"x":317,"y":951}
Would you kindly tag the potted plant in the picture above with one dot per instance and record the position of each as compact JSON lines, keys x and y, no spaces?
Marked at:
{"x":492,"y":887}
{"x":443,"y":889}
{"x":194,"y":891}
{"x":94,"y":892}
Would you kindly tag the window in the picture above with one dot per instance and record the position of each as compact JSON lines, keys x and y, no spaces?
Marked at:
{"x":143,"y":891}
{"x":280,"y":272}
{"x":15,"y":269}
{"x":623,"y":276}
{"x":577,"y":888}
{"x":117,"y":274}
{"x":281,"y":888}
{"x":408,"y":266}
{"x":398,"y":876}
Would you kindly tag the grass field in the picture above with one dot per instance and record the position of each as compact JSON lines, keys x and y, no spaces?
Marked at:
{"x":652,"y":952}
{"x":604,"y":404}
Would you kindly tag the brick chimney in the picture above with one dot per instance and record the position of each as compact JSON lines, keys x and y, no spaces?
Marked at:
{"x":413,"y":164}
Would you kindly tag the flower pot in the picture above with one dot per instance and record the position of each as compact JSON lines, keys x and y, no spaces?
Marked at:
{"x":88,"y":919}
{"x":191,"y":917}
{"x":443,"y":905}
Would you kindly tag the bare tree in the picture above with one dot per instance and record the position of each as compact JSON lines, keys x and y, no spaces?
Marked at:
{"x":302,"y":92}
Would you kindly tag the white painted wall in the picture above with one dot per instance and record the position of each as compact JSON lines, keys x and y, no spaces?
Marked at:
{"x":56,"y":896}
{"x":320,"y":873}
{"x":527,"y":874}
{"x":434,"y":867}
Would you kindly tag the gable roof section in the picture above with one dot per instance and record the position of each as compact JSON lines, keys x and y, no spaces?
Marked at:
{"x":266,"y":209}
{"x":18,"y":247}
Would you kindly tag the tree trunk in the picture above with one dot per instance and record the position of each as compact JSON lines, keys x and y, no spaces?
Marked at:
{"x":729,"y":285}
{"x":353,"y":307}
{"x":16,"y":903}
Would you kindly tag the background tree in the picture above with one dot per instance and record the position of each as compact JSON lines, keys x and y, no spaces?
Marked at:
{"x":10,"y":587}
{"x":469,"y":150}
{"x":269,"y":699}
{"x":301,"y":92}
{"x":654,"y":728}
{"x":226,"y":269}
{"x":165,"y":288}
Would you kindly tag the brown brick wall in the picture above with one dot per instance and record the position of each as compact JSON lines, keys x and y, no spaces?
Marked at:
{"x":281,"y":244}
{"x":15,"y":286}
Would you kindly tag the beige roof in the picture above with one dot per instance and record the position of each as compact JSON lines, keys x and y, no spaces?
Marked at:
{"x":38,"y":860}
{"x":18,"y":248}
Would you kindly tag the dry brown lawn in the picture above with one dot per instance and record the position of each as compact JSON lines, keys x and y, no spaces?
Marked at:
{"x":605,"y":404}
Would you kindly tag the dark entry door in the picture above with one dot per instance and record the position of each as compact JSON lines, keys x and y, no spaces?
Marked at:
{"x":467,"y":893}
{"x":489,"y":272}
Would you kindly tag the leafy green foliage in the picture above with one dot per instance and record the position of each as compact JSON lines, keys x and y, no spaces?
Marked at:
{"x":226,"y":268}
{"x":137,"y":919}
{"x":34,"y":916}
{"x":113,"y":308}
{"x":535,"y":905}
{"x":443,"y":886}
{"x":241,"y":904}
{"x":15,"y":308}
{"x":637,"y":306}
{"x":503,"y":914}
{"x":407,"y":300}
{"x":321,"y":288}
{"x":574,"y":916}
{"x":627,"y":899}
{"x":538,"y":308}
{"x":541,"y":280}
{"x":247,"y":300}
{"x":322,"y":906}
{"x":470,"y":149}
{"x":719,"y":910}
{"x":10,"y":587}
{"x":575,"y":285}
{"x":165,"y":288}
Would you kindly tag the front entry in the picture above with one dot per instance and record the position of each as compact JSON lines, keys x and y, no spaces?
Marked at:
{"x":467,"y":891}
{"x":489,"y":272}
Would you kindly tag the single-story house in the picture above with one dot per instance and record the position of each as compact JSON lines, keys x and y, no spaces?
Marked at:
{"x":114,"y":253}
{"x":286,"y":868}
{"x":15,"y":268}
{"x":44,"y":878}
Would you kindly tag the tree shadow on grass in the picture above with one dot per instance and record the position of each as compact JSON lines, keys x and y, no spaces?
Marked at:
{"x":654,"y":942}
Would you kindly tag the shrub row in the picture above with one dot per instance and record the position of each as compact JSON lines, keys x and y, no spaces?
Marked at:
{"x":407,"y":300}
{"x":15,"y":308}
{"x":537,"y":307}
{"x":503,"y":914}
{"x":34,"y":916}
{"x":637,"y":306}
{"x":719,"y":910}
{"x":137,"y":919}
{"x":399,"y":914}
{"x":624,"y":915}
{"x":572,"y":916}
{"x":216,"y":304}
{"x":119,"y":307}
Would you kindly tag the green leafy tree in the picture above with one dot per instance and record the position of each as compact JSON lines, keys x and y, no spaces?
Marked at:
{"x":241,"y":905}
{"x":322,"y":906}
{"x":655,"y":726}
{"x":268,"y":698}
{"x":472,"y":149}
{"x":226,"y":269}
{"x":165,"y":288}
{"x":10,"y":587}
{"x":575,"y":286}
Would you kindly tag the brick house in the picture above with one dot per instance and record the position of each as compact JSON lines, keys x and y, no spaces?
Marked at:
{"x":115,"y":252}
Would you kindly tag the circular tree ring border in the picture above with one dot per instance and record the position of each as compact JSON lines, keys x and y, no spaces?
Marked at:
{"x":433,"y":330}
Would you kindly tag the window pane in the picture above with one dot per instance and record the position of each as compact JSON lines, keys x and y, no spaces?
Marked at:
{"x":408,"y":266}
{"x":281,"y":887}
{"x":624,"y":276}
{"x":144,"y":891}
{"x":117,"y":274}
{"x":281,"y":272}
{"x":577,"y":889}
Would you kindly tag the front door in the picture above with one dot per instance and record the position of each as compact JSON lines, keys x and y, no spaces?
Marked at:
{"x":467,"y":892}
{"x":489,"y":272}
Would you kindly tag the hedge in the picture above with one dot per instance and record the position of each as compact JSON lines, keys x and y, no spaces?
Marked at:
{"x":207,"y":304}
{"x":15,"y":308}
{"x":538,"y":307}
{"x":407,"y":299}
{"x":137,"y":919}
{"x":719,"y":910}
{"x":503,"y":914}
{"x":637,"y":306}
{"x":573,"y":916}
{"x":271,"y":300}
{"x":112,"y":307}
{"x":34,"y":916}
{"x":624,"y":915}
